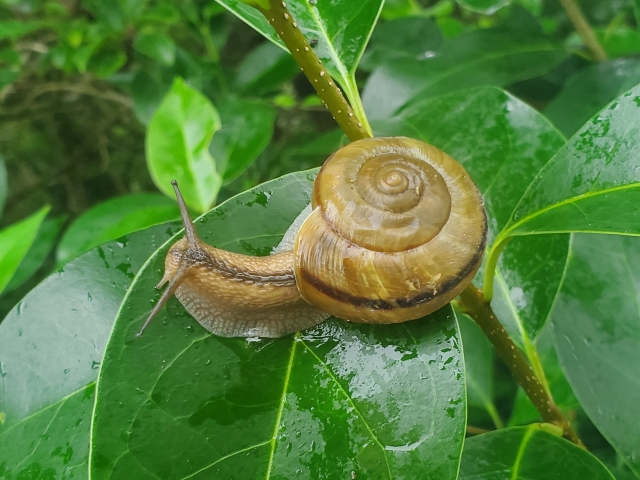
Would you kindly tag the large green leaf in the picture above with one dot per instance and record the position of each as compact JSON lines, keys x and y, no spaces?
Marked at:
{"x":503,"y":143}
{"x":340,"y":27}
{"x":113,"y":219}
{"x":597,"y":172}
{"x":528,"y":454}
{"x":486,"y":57}
{"x":585,"y":93}
{"x":597,"y":332}
{"x":51,"y":346}
{"x":265,"y":69}
{"x":247,"y":126}
{"x":15,"y":241}
{"x":335,"y":401}
{"x":177,"y":146}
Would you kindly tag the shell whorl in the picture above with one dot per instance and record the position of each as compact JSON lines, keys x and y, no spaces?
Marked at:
{"x":397,"y":231}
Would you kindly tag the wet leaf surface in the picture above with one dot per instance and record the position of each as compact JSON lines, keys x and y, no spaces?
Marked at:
{"x":527,"y":453}
{"x":335,"y":401}
{"x":597,"y":332}
{"x":51,"y":346}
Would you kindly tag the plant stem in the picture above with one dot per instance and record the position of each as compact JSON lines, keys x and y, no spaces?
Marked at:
{"x":584,"y":29}
{"x":287,"y":29}
{"x":477,"y":308}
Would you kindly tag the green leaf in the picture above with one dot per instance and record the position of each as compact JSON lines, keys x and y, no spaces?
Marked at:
{"x":596,"y":172}
{"x":410,"y":37}
{"x":177,"y":145}
{"x":588,"y":91}
{"x":247,"y":126}
{"x":113,"y":219}
{"x":487,"y":57}
{"x":15,"y":241}
{"x":37,"y":254}
{"x":265,"y":69}
{"x":51,"y":346}
{"x":384,"y":401}
{"x":147,"y":93}
{"x":4,"y":184}
{"x":106,"y":63}
{"x":14,"y":29}
{"x":156,"y":46}
{"x":479,"y":372}
{"x":596,"y":323}
{"x":486,"y":7}
{"x":503,"y":143}
{"x":340,"y":27}
{"x":528,"y":454}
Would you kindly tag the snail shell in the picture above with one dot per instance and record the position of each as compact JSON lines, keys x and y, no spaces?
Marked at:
{"x":397,"y":230}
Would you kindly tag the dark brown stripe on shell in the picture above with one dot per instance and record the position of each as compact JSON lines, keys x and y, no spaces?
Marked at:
{"x":418,"y":299}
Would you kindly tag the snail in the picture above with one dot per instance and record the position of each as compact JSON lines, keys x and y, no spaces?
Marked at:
{"x":396,"y":230}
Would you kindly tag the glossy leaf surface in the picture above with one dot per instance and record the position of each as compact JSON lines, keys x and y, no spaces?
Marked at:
{"x":340,"y":27}
{"x":527,"y":454}
{"x":486,"y":57}
{"x":113,"y":219}
{"x":247,"y":126}
{"x":177,"y":146}
{"x":15,"y":241}
{"x":597,"y":172}
{"x":589,"y":90}
{"x":503,"y":143}
{"x":46,"y":408}
{"x":597,"y":332}
{"x":378,"y":401}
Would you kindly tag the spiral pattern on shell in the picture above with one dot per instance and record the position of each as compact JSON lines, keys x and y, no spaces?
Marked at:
{"x":398,"y":229}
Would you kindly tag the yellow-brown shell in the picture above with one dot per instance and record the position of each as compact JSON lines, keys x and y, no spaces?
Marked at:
{"x":397,"y":231}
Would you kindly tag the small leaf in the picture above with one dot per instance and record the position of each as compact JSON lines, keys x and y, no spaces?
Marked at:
{"x":147,"y":92}
{"x":384,"y":401}
{"x":265,"y":69}
{"x":14,"y":29}
{"x":15,"y":241}
{"x":527,"y":454}
{"x":51,"y":347}
{"x":156,"y":46}
{"x":113,"y":219}
{"x":340,"y":42}
{"x":485,"y":7}
{"x":177,"y":145}
{"x":596,"y":323}
{"x":494,"y":57}
{"x":247,"y":126}
{"x":40,"y":248}
{"x":588,"y":91}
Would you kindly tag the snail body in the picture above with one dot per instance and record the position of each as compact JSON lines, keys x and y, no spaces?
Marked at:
{"x":397,"y":230}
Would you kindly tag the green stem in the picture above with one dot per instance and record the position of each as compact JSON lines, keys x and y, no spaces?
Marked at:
{"x":584,"y":29}
{"x":287,"y":29}
{"x":479,"y":309}
{"x":492,"y":264}
{"x":356,"y":103}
